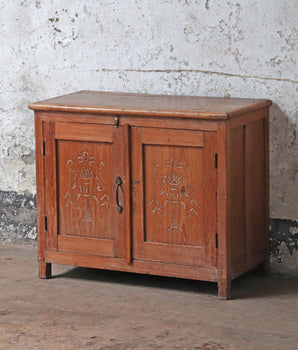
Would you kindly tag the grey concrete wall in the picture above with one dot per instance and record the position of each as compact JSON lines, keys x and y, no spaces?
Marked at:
{"x":209,"y":47}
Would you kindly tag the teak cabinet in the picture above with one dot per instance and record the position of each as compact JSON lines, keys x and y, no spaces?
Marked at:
{"x":165,"y":185}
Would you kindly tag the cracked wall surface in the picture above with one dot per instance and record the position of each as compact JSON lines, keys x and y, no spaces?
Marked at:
{"x":195,"y":47}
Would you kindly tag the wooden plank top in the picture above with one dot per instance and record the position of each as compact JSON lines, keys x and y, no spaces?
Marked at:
{"x":99,"y":102}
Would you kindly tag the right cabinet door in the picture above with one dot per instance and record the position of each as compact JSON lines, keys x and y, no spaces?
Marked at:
{"x":174,"y":196}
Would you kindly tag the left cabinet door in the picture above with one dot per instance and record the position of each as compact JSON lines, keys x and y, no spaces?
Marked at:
{"x":82,"y":162}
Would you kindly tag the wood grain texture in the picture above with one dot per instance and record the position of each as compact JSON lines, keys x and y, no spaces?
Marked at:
{"x":175,"y":186}
{"x":44,"y":269}
{"x":150,"y":105}
{"x":152,"y":122}
{"x":80,"y":183}
{"x":248,"y":181}
{"x":119,"y":169}
{"x":173,"y":196}
{"x":85,"y":188}
{"x":172,"y":137}
{"x":247,"y":118}
{"x":255,"y":189}
{"x":223,"y":252}
{"x":50,"y":186}
{"x":240,"y":269}
{"x":74,"y":244}
{"x":83,"y":132}
{"x":139,"y":266}
{"x":127,"y":191}
{"x":237,"y":193}
{"x":210,"y":194}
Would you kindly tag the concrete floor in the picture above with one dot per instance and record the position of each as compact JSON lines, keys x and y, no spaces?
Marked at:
{"x":93,"y":309}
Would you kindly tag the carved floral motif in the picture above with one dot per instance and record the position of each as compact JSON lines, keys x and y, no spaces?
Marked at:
{"x":86,"y":186}
{"x":175,"y":196}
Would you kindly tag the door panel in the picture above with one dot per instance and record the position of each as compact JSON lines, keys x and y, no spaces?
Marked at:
{"x":81,"y":165}
{"x":85,"y":188}
{"x":174,"y":180}
{"x":172,"y":193}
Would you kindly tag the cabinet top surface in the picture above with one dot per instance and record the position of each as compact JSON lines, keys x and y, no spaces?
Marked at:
{"x":98,"y":102}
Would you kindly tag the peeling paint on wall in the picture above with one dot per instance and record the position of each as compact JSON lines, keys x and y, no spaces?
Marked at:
{"x":284,"y":247}
{"x":64,"y":31}
{"x":190,"y":47}
{"x":17,"y":217}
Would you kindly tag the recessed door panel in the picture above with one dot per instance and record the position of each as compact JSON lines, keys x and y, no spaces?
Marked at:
{"x":85,"y":186}
{"x":173,"y":195}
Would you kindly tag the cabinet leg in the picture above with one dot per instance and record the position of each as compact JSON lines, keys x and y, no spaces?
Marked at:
{"x":45,"y":269}
{"x":224,"y":289}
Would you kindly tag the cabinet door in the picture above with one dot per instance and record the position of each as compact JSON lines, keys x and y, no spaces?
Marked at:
{"x":82,"y":162}
{"x":174,"y":196}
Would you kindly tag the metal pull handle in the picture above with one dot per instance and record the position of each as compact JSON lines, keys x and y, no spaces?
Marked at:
{"x":118,"y":183}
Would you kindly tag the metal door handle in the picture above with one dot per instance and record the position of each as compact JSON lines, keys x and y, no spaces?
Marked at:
{"x":118,"y":183}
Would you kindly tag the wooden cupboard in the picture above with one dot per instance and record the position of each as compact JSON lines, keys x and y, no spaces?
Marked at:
{"x":165,"y":185}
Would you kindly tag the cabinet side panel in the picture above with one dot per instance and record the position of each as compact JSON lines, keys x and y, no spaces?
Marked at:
{"x":236,"y":215}
{"x":255,"y":191}
{"x":50,"y":186}
{"x":223,"y":251}
{"x":210,"y":192}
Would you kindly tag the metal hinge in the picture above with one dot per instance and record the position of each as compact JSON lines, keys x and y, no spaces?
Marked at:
{"x":116,"y":121}
{"x":216,"y":240}
{"x":44,"y":148}
{"x":216,"y":160}
{"x":46,"y":223}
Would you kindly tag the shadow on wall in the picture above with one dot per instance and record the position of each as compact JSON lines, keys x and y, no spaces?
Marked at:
{"x":283,"y":193}
{"x":283,"y":165}
{"x":284,"y":247}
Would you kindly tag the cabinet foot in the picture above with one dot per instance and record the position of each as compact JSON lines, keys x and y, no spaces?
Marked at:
{"x":224,"y":290}
{"x":45,"y":269}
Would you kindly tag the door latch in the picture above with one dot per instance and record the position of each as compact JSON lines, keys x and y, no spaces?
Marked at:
{"x":116,"y":121}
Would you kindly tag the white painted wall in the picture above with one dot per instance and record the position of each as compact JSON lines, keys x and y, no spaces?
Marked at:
{"x":209,"y":47}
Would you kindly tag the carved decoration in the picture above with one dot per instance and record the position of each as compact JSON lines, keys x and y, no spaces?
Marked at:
{"x":175,"y":196}
{"x":86,"y":186}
